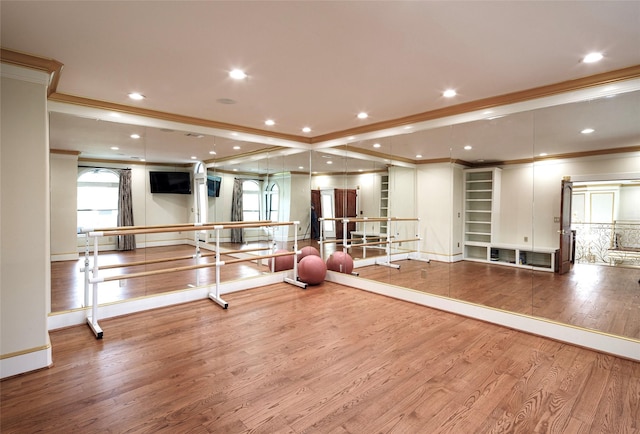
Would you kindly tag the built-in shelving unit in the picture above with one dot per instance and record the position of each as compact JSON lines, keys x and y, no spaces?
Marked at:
{"x":481,"y":222}
{"x":481,"y":207}
{"x":384,"y":201}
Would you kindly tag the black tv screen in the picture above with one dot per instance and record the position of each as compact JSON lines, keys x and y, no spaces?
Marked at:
{"x":213,"y":186}
{"x":170,"y":182}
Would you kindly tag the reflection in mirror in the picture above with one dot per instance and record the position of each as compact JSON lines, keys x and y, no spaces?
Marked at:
{"x":502,"y":245}
{"x":587,"y":208}
{"x":434,"y":188}
{"x":160,"y":162}
{"x":493,"y":201}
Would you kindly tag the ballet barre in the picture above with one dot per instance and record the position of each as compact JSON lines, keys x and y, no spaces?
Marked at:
{"x":382,"y":241}
{"x":95,"y":278}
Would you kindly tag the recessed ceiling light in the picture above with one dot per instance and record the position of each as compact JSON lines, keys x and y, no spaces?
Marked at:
{"x":543,"y":154}
{"x":193,"y":157}
{"x":419,"y":156}
{"x":212,"y":152}
{"x":237,"y":74}
{"x":270,"y":122}
{"x":300,"y":167}
{"x":587,"y":131}
{"x":468,"y":148}
{"x":376,"y":145}
{"x":329,"y":162}
{"x":137,"y":96}
{"x":360,"y":170}
{"x":592,"y":57}
{"x":362,"y":115}
{"x":235,"y":170}
{"x":306,"y":130}
{"x":236,"y":147}
{"x":143,"y":159}
{"x":135,"y":136}
{"x":114,"y":148}
{"x":449,"y":93}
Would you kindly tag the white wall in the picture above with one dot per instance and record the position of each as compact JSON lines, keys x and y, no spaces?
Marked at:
{"x":64,"y":193}
{"x":629,"y":203}
{"x":402,"y":203}
{"x":516,"y":199}
{"x":434,"y":206}
{"x":25,"y":277}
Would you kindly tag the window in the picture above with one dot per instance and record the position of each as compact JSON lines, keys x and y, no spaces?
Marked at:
{"x":250,"y":201}
{"x":98,"y":199}
{"x":272,"y":199}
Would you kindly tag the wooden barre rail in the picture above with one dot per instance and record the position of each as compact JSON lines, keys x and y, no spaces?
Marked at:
{"x":178,"y":225}
{"x":370,"y":219}
{"x":377,"y":243}
{"x":152,"y":261}
{"x":184,"y":268}
{"x":155,"y":230}
{"x":340,"y":240}
{"x":179,"y":258}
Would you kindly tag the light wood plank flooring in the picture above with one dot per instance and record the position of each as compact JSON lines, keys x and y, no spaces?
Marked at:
{"x":597,"y":297}
{"x":329,"y":359}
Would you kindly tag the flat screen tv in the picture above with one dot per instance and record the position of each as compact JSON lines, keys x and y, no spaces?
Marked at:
{"x":213,"y":186}
{"x":170,"y":182}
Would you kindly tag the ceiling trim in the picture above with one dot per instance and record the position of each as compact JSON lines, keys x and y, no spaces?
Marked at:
{"x":121,"y":108}
{"x":370,"y":153}
{"x":50,"y":66}
{"x":605,"y":78}
{"x":54,"y":67}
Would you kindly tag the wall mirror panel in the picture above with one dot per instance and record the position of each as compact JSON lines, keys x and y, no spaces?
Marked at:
{"x":498,"y":247}
{"x":195,"y":175}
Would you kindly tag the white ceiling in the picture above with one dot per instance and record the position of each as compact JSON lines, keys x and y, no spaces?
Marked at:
{"x":319,"y":63}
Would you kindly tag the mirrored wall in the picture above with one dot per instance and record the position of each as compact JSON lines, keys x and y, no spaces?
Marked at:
{"x":487,"y":188}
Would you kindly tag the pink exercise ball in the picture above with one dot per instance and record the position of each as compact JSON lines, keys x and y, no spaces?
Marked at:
{"x":281,"y":262}
{"x":308,"y":251}
{"x":340,"y":262}
{"x":312,"y":270}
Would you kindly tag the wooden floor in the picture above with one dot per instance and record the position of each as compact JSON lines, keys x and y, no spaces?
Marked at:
{"x":592,"y":296}
{"x":597,"y":297}
{"x":328,"y":359}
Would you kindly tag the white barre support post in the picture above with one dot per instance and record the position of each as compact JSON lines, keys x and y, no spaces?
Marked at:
{"x":197,"y":255}
{"x":216,"y":297}
{"x":345,"y":225}
{"x":321,"y":237}
{"x":388,"y":263}
{"x":295,"y":280}
{"x":92,"y":320}
{"x":418,"y":255}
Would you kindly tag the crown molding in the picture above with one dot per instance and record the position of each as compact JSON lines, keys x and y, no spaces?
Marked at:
{"x":51,"y":66}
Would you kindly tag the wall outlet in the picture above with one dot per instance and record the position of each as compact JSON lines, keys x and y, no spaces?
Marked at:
{"x":526,"y":239}
{"x":556,"y":219}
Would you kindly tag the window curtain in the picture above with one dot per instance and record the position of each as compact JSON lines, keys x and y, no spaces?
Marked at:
{"x":236,"y":210}
{"x":125,"y":211}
